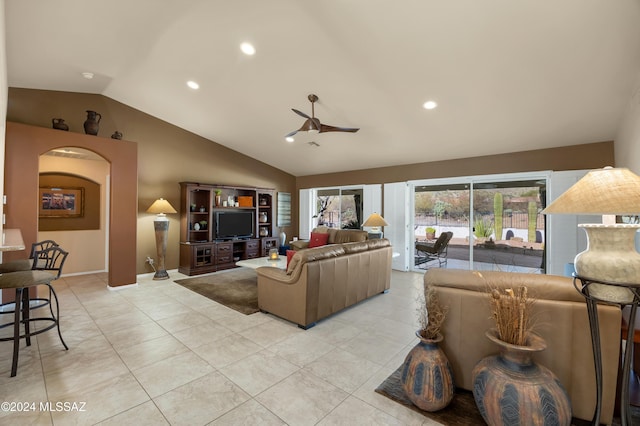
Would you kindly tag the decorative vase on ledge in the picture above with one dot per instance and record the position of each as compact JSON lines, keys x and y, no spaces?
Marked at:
{"x":92,"y":123}
{"x":59,"y":124}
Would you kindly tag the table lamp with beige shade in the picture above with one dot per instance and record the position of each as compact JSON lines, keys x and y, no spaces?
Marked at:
{"x":609,"y":269}
{"x":161,"y":225}
{"x":611,"y":255}
{"x":375,"y":221}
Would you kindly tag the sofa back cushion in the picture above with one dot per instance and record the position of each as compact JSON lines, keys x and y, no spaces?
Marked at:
{"x":339,"y":236}
{"x":377,"y":243}
{"x":356,"y":247}
{"x":539,"y":286}
{"x":309,"y":255}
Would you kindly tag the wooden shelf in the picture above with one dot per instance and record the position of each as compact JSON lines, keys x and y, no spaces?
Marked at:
{"x":200,"y":250}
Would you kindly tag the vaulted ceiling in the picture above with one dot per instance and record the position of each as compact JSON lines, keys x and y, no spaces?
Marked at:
{"x":506,"y":75}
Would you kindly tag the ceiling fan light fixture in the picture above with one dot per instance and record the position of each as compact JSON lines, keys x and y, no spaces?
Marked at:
{"x":289,"y":139}
{"x":193,"y":85}
{"x":310,"y":126}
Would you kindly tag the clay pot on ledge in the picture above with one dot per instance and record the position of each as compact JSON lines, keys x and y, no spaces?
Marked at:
{"x":92,"y":123}
{"x":59,"y":124}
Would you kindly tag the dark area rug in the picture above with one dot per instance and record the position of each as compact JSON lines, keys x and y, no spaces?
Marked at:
{"x":462,"y":410}
{"x":236,"y":289}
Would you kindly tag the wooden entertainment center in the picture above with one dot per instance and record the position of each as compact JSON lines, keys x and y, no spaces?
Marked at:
{"x":220,"y":225}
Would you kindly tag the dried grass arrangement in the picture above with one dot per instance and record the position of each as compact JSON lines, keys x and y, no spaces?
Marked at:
{"x":431,"y":314}
{"x":512,"y":314}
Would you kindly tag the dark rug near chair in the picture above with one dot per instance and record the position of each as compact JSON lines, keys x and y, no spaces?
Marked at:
{"x":463,"y":410}
{"x":236,"y":289}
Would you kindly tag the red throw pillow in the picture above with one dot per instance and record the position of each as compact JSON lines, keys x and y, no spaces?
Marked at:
{"x":318,"y":239}
{"x":290,"y":254}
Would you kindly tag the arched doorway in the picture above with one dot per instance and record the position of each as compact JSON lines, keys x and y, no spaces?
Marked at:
{"x":81,"y":174}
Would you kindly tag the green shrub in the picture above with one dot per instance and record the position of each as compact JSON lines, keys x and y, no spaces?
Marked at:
{"x":482,"y":228}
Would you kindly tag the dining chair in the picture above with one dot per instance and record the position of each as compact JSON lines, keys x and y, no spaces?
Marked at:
{"x":26,"y":264}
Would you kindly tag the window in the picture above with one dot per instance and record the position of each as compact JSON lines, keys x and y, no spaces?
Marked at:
{"x":339,"y":208}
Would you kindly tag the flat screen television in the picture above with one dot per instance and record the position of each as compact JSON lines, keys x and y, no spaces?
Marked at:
{"x":234,"y":224}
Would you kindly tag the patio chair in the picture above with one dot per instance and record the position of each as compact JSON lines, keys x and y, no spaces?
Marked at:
{"x":426,"y":252}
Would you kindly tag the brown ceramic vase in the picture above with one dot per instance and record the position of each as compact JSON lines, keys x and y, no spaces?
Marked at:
{"x":426,"y":377}
{"x":509,"y":388}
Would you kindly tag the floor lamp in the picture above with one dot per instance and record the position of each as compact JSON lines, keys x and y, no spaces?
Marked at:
{"x":161,"y":225}
{"x":609,"y":269}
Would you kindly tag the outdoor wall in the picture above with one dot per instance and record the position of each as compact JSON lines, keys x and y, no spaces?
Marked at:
{"x":575,"y":157}
{"x":166,"y":155}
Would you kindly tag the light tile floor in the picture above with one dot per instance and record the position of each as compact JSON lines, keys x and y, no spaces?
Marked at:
{"x":160,"y":354}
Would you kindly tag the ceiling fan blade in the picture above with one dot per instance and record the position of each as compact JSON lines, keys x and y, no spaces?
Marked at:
{"x":291,"y":134}
{"x":300,"y":113}
{"x":326,"y":128}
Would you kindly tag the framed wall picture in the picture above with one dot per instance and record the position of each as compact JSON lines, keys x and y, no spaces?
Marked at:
{"x":61,"y":202}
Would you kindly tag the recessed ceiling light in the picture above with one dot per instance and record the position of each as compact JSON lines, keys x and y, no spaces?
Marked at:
{"x":192,"y":84}
{"x":247,"y":48}
{"x":429,"y":105}
{"x":289,"y":139}
{"x":87,"y":75}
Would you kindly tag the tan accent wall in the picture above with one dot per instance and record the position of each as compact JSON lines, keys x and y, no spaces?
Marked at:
{"x":23,"y":148}
{"x":575,"y":157}
{"x":166,"y":155}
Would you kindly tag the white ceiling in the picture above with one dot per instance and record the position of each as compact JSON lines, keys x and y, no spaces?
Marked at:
{"x":507,"y":75}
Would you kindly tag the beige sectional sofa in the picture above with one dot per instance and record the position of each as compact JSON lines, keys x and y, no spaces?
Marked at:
{"x":323,"y":280}
{"x":560,"y":317}
{"x":336,"y":236}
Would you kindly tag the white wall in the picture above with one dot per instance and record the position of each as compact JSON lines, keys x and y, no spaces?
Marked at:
{"x":3,"y":104}
{"x":87,"y":248}
{"x":627,"y":142}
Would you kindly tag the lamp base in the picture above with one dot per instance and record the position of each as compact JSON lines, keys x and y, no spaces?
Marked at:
{"x":161,"y":275}
{"x":611,"y":256}
{"x":161,"y":227}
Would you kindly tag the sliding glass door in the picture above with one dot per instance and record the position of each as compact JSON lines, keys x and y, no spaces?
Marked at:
{"x":495,"y":222}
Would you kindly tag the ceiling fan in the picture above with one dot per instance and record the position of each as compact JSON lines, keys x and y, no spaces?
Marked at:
{"x":313,"y":125}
